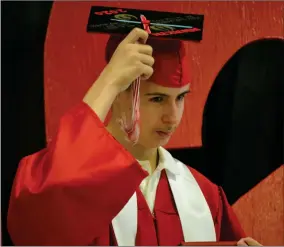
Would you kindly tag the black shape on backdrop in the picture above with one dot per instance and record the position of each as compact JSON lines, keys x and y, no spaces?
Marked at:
{"x":243,"y":126}
{"x":243,"y":129}
{"x":230,"y":151}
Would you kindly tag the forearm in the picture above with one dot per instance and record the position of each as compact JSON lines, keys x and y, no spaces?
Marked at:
{"x":100,"y":97}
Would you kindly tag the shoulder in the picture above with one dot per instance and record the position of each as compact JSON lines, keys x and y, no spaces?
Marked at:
{"x":210,"y":190}
{"x":202,"y":180}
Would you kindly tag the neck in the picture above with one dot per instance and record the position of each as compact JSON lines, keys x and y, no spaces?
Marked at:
{"x":138,"y":151}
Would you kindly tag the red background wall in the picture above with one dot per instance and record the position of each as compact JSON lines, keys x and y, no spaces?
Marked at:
{"x":74,"y":58}
{"x":261,"y":210}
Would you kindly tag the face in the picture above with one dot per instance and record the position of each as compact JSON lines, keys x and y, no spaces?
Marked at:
{"x":161,"y":110}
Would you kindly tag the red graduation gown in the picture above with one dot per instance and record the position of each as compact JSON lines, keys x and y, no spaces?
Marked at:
{"x":68,"y":193}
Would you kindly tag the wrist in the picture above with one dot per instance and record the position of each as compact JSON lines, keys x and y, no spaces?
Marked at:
{"x":100,"y":97}
{"x":107,"y":86}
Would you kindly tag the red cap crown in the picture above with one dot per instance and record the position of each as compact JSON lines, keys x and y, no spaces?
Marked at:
{"x":170,"y":68}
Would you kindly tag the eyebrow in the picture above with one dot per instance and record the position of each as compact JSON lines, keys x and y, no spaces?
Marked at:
{"x":165,"y":95}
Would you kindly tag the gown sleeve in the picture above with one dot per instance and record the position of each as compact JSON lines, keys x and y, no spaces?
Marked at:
{"x":68,"y":193}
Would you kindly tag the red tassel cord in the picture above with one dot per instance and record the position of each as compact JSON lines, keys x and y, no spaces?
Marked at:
{"x":132,"y":129}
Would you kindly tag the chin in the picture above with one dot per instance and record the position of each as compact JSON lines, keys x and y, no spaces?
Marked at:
{"x":163,"y":143}
{"x":154,"y":144}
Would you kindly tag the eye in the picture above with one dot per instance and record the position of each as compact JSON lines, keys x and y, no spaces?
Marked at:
{"x":157,"y":99}
{"x":180,"y":97}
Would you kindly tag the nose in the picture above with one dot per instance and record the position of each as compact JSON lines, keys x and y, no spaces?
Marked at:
{"x":171,"y":113}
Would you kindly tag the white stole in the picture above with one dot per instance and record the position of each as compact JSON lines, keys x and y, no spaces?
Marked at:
{"x":194,"y":212}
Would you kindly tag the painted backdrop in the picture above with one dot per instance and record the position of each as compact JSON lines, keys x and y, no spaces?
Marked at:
{"x":74,"y":58}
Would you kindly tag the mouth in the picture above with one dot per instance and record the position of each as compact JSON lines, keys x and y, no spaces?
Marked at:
{"x":164,"y":134}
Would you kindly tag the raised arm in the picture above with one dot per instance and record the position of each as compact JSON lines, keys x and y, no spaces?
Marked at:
{"x":68,"y":193}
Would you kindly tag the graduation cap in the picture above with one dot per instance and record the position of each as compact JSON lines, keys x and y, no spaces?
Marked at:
{"x":167,"y":33}
{"x":169,"y":25}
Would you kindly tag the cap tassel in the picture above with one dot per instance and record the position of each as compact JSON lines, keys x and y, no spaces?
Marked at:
{"x":132,"y":129}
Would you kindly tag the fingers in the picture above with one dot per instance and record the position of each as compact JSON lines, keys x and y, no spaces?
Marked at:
{"x":248,"y":242}
{"x":136,"y":35}
{"x":139,"y":48}
{"x":145,"y":49}
{"x":241,"y":243}
{"x":147,"y":72}
{"x":146,"y":59}
{"x":252,"y":242}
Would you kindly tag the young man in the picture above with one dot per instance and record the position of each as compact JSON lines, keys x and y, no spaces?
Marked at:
{"x":90,"y":186}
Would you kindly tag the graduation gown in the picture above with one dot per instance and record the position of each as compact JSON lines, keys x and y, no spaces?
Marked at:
{"x":83,"y":189}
